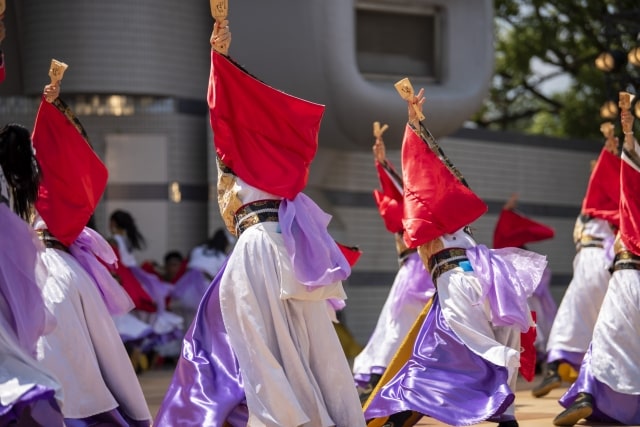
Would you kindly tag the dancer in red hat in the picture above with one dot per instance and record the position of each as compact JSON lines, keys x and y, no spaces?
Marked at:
{"x":608,"y":386}
{"x":593,"y":235}
{"x":84,"y":351}
{"x":411,"y":290}
{"x":274,"y":288}
{"x":514,"y":229}
{"x":465,"y":358}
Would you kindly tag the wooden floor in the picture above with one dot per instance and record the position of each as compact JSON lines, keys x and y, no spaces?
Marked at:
{"x":530,"y":412}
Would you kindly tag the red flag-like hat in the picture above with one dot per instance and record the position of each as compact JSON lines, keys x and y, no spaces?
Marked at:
{"x":435,"y":201}
{"x":630,"y":208}
{"x":602,"y":199}
{"x":351,"y":253}
{"x":516,"y":230}
{"x":268,"y":138}
{"x":389,"y":200}
{"x":73,"y":177}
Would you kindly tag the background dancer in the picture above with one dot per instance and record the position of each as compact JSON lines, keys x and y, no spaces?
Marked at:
{"x":411,"y":289}
{"x":593,"y":235}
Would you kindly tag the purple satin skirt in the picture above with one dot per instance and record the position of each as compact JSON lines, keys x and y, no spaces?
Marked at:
{"x":608,"y":404}
{"x":37,"y":407}
{"x":444,"y":380}
{"x":206,"y":389}
{"x":112,"y":418}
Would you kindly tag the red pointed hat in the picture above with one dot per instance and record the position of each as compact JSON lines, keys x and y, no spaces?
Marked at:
{"x":602,"y":199}
{"x":630,"y":208}
{"x":351,"y":253}
{"x":389,"y":200}
{"x":435,"y":201}
{"x":516,"y":230}
{"x":391,"y":211}
{"x":73,"y":177}
{"x":268,"y":138}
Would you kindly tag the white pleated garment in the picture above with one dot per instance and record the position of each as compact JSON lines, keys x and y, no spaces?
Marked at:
{"x":85,"y":351}
{"x":294,"y":370}
{"x":615,"y":352}
{"x":576,"y":317}
{"x":390,"y":330}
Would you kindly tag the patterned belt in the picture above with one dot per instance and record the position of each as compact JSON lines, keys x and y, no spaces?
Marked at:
{"x":402,"y":257}
{"x":626,"y":260}
{"x":589,"y":242}
{"x":50,"y":241}
{"x":446,"y":260}
{"x":255,"y":213}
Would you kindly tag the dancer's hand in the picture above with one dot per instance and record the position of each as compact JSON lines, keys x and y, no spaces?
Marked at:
{"x":51,"y":92}
{"x":418,"y":100}
{"x":221,"y":37}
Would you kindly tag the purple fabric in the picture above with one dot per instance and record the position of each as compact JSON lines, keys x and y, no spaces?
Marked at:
{"x":88,"y":249}
{"x":573,"y":358}
{"x":19,"y":289}
{"x":412,"y":283}
{"x":336,"y":304}
{"x":443,"y":379}
{"x":316,"y":258}
{"x":37,"y":407}
{"x":112,"y":418}
{"x":609,"y":250}
{"x":508,"y":277}
{"x":190,"y":288}
{"x":207,"y":388}
{"x":157,"y":289}
{"x":608,"y":404}
{"x":548,"y":305}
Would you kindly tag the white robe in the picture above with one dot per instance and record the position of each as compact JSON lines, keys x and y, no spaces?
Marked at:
{"x":459,"y":292}
{"x":294,"y":370}
{"x":615,"y":351}
{"x":576,"y":317}
{"x":85,"y":351}
{"x":19,"y":371}
{"x":293,"y":367}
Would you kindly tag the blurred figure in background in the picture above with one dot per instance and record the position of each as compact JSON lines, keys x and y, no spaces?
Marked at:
{"x":203,"y":265}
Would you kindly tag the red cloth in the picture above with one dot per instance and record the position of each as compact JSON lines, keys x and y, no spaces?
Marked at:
{"x":630,"y":208}
{"x":73,"y":177}
{"x":268,"y":138}
{"x":435,"y":201}
{"x":516,"y":230}
{"x":141,"y":299}
{"x":528,"y":355}
{"x":602,"y":199}
{"x":389,"y":200}
{"x":352,"y":254}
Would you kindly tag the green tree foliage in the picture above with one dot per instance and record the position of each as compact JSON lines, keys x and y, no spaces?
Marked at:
{"x":561,"y":38}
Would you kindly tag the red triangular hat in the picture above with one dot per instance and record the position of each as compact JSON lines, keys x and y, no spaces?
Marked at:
{"x":389,"y":200}
{"x":602,"y":199}
{"x":516,"y":230}
{"x":389,"y":187}
{"x":73,"y":177}
{"x":630,"y":208}
{"x":391,"y":211}
{"x":435,"y":201}
{"x":351,"y":253}
{"x":268,"y":138}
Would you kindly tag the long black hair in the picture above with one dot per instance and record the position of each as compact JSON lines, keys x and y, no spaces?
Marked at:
{"x":20,"y":168}
{"x":124,"y":220}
